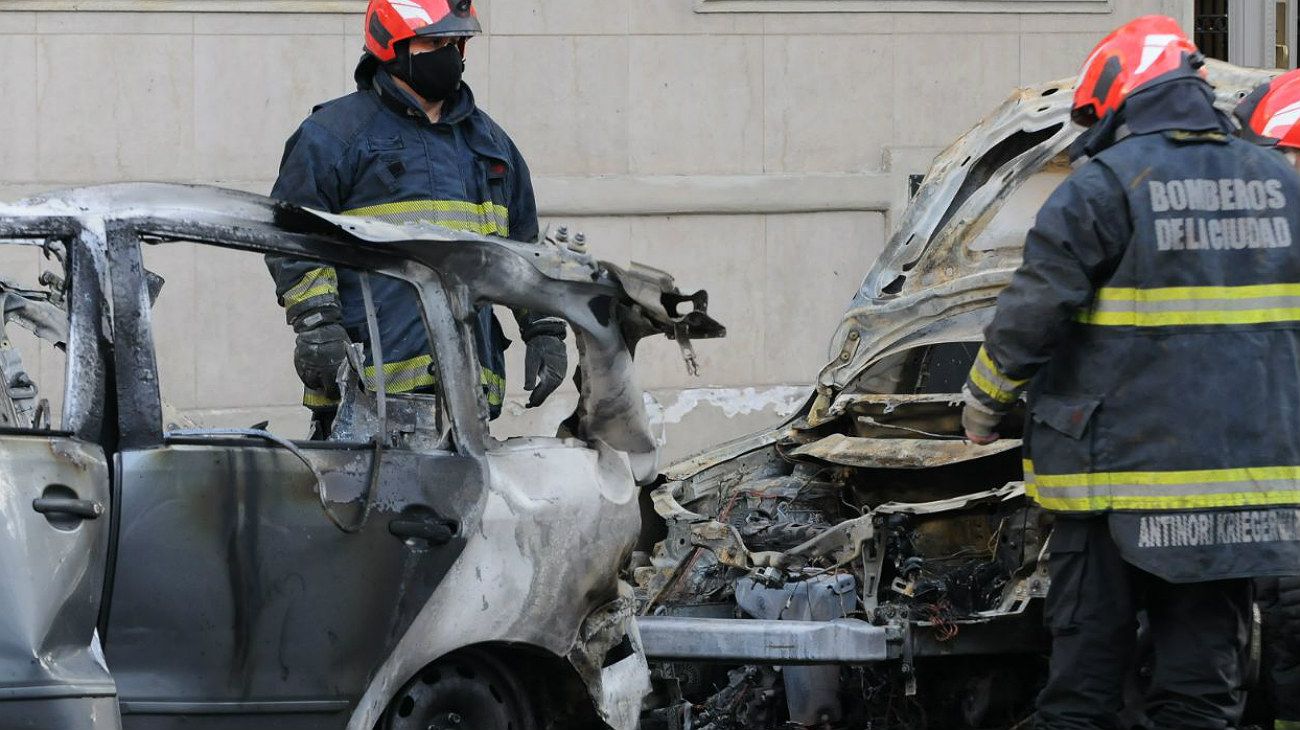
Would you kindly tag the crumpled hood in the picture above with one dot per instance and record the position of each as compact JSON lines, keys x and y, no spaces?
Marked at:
{"x":961,"y":238}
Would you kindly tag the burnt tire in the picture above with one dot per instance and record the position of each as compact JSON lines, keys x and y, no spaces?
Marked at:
{"x":469,"y":690}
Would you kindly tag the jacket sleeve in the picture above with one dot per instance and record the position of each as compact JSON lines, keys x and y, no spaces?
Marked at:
{"x":308,"y":177}
{"x":525,"y":228}
{"x":1078,"y":237}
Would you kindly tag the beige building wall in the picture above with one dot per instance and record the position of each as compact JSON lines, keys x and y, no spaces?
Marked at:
{"x":760,"y":155}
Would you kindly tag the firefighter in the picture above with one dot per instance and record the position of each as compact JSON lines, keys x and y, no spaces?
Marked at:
{"x":408,"y":146}
{"x":1154,"y":326}
{"x":1269,"y":117}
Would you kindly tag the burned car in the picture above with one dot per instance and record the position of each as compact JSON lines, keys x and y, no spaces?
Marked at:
{"x":409,"y":572}
{"x":862,"y":565}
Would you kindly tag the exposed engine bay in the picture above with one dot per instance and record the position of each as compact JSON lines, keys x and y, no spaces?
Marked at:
{"x":882,"y":515}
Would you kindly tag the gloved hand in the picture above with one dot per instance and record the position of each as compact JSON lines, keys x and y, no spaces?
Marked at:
{"x":978,"y":421}
{"x":546,"y":360}
{"x":321,"y":348}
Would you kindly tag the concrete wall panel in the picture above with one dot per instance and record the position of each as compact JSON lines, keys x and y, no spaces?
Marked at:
{"x":570,"y":17}
{"x":176,"y":323}
{"x":17,"y":23}
{"x":943,"y":96}
{"x":565,"y":99}
{"x":696,"y":105}
{"x":828,"y":103}
{"x":244,"y":358}
{"x":831,"y":253}
{"x":679,"y":18}
{"x":18,"y":124}
{"x":240,"y":131}
{"x":1049,"y":56}
{"x":115,"y":107}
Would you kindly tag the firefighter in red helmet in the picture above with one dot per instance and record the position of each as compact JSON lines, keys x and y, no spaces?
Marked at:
{"x":409,"y":146}
{"x":1154,"y":329}
{"x":1270,"y":117}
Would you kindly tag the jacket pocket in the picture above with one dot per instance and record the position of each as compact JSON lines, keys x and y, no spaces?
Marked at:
{"x":493,"y":182}
{"x":1068,"y":414}
{"x":1060,"y":437}
{"x":387,"y":155}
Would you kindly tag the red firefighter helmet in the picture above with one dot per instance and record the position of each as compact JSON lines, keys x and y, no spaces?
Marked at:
{"x":389,"y":22}
{"x":1270,"y":115}
{"x":1131,"y":57}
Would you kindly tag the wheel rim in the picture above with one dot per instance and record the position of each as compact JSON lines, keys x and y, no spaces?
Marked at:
{"x":466,"y":691}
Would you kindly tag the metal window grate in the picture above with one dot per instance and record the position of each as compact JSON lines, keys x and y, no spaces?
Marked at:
{"x":1211,"y":28}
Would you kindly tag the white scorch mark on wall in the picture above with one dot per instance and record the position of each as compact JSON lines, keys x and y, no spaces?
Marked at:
{"x":672,"y":407}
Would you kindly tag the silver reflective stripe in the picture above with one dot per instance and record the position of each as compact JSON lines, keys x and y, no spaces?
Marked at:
{"x":1196,"y":305}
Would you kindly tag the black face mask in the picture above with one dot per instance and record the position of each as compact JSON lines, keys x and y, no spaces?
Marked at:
{"x":434,"y":75}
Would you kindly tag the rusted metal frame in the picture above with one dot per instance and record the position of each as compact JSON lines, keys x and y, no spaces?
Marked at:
{"x":43,"y":227}
{"x":138,"y":401}
{"x":455,"y":358}
{"x":243,"y":235}
{"x":89,"y":354}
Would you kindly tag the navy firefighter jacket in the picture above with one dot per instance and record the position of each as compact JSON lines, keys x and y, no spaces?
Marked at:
{"x":375,"y":153}
{"x":1155,"y":325}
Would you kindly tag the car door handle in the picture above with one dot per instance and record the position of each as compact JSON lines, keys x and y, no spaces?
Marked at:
{"x":434,"y":532}
{"x":82,"y":508}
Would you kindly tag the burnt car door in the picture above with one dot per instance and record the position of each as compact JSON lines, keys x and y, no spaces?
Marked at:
{"x":259,"y":582}
{"x":54,"y":482}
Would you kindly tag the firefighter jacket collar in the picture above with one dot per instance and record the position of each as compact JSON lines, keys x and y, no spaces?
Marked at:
{"x":1184,"y":103}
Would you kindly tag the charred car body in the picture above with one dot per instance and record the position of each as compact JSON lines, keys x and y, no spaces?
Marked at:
{"x":412,"y":572}
{"x":862,"y":566}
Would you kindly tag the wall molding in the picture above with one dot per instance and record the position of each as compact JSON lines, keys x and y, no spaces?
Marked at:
{"x":186,"y":6}
{"x":901,"y":6}
{"x":618,"y":195}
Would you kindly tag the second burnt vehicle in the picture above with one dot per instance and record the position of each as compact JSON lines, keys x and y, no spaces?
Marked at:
{"x":862,"y":565}
{"x":410,"y":572}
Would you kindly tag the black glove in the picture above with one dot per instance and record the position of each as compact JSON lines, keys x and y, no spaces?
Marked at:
{"x":321,"y":348}
{"x":546,"y":360}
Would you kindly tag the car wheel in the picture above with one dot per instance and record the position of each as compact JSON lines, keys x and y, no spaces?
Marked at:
{"x":469,"y":690}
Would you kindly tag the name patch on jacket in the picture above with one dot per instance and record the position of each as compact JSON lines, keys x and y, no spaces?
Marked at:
{"x":1200,"y":529}
{"x":1188,"y":230}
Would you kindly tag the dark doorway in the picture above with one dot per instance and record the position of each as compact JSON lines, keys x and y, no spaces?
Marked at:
{"x":1211,"y":28}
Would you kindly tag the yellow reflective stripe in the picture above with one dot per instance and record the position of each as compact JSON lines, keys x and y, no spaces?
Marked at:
{"x":1099,"y":503}
{"x":986,"y":375}
{"x":1199,"y":476}
{"x":430,"y":206}
{"x":1173,"y":293}
{"x":1165,"y":490}
{"x":317,"y":399}
{"x":405,"y":375}
{"x":1193,"y":305}
{"x":1286,"y":725}
{"x":314,"y":283}
{"x":494,"y":387}
{"x":486,"y":218}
